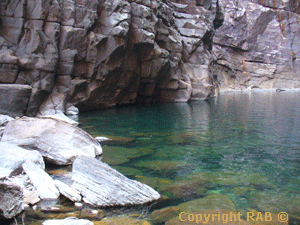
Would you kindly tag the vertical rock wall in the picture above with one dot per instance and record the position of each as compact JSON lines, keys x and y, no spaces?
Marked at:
{"x":258,"y":45}
{"x":100,"y":53}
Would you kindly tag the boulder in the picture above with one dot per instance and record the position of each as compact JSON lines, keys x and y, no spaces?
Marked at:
{"x":14,"y":99}
{"x":11,"y":199}
{"x":13,"y":157}
{"x":57,"y":141}
{"x":4,"y":119}
{"x":67,"y":191}
{"x":68,"y":221}
{"x":43,"y":183}
{"x":101,"y":185}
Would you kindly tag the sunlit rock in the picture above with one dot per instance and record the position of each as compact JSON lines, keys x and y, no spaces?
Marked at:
{"x":57,"y":141}
{"x":101,"y":185}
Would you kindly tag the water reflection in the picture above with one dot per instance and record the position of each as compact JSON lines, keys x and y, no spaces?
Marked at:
{"x":241,"y":145}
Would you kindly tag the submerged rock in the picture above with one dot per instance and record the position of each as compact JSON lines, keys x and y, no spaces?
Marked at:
{"x":212,"y":201}
{"x":231,"y":179}
{"x":101,"y":185}
{"x":164,"y":166}
{"x":114,"y":155}
{"x":184,"y":189}
{"x":121,"y":220}
{"x":11,"y":199}
{"x":91,"y":214}
{"x":165,"y":214}
{"x":57,"y":141}
{"x":155,"y":182}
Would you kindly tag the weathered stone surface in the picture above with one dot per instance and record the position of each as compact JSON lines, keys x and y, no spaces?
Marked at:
{"x":14,"y":99}
{"x":121,"y":52}
{"x":104,"y":186}
{"x":67,"y":191}
{"x":4,"y":119}
{"x":68,"y":221}
{"x":43,"y":183}
{"x":57,"y":141}
{"x":254,"y":46}
{"x":11,"y":199}
{"x":13,"y":157}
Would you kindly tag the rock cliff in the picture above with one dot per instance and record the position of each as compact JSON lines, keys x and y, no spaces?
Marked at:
{"x":258,"y":45}
{"x":101,"y":53}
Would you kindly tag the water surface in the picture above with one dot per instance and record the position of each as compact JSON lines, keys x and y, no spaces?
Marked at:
{"x":245,"y":146}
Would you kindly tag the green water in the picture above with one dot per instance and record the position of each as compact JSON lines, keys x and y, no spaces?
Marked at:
{"x":242,"y":145}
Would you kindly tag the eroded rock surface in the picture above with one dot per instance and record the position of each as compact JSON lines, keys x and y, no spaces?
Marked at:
{"x":104,"y":186}
{"x":57,"y":141}
{"x":11,"y":199}
{"x":258,"y":45}
{"x":96,"y":54}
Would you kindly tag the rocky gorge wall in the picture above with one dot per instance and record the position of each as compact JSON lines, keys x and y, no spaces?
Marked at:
{"x":92,"y":54}
{"x":258,"y":45}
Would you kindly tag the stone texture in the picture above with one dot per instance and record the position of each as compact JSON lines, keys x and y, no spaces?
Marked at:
{"x":254,"y":48}
{"x":104,"y":186}
{"x":68,"y":221}
{"x":67,"y":191}
{"x":43,"y":183}
{"x":14,"y":99}
{"x":4,"y":119}
{"x":100,"y":54}
{"x":13,"y":157}
{"x":11,"y":199}
{"x":57,"y":141}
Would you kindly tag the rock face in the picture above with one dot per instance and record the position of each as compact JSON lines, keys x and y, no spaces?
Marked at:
{"x":103,"y":53}
{"x":96,"y":54}
{"x":11,"y":199}
{"x":258,"y":45}
{"x":42,"y":182}
{"x":14,"y":99}
{"x":13,"y":158}
{"x":57,"y":141}
{"x":104,"y":186}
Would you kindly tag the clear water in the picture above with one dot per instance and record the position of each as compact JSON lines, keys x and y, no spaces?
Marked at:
{"x":242,"y":145}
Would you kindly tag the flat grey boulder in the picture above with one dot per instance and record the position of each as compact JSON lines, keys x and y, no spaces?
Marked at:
{"x":58,"y":142}
{"x":101,"y":185}
{"x":14,"y":99}
{"x":13,"y":157}
{"x":68,"y":221}
{"x":11,"y":199}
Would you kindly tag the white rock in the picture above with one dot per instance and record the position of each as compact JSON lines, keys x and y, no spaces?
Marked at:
{"x":57,"y":141}
{"x":101,"y":185}
{"x":13,"y":157}
{"x":62,"y":117}
{"x":43,"y":183}
{"x":68,"y":221}
{"x":4,"y":119}
{"x":100,"y":139}
{"x":67,"y":191}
